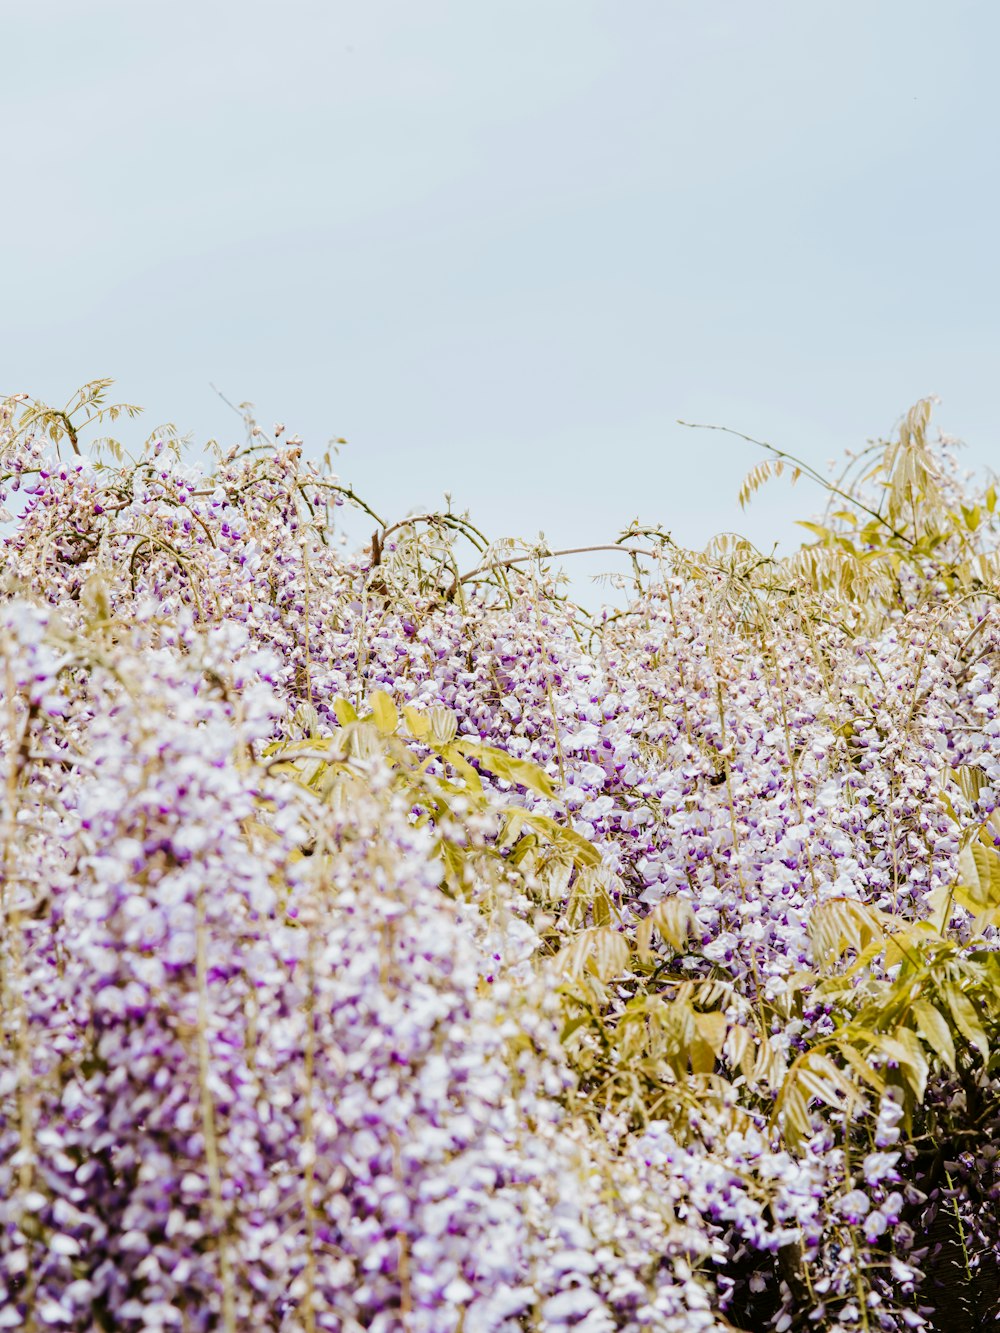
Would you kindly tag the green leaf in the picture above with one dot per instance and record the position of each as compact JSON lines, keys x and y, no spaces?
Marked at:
{"x":513,"y":821}
{"x":700,"y":1053}
{"x":572,"y":1025}
{"x":601,"y":908}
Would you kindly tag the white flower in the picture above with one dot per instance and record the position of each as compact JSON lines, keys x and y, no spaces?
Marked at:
{"x":723,"y":945}
{"x":855,"y":1205}
{"x":586,"y":737}
{"x":875,"y":1225}
{"x":570,"y":1305}
{"x":879,"y":1166}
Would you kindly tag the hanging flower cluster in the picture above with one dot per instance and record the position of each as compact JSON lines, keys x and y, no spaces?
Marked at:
{"x":390,"y":946}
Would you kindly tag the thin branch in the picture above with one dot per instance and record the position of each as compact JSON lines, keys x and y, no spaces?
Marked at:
{"x":241,"y":415}
{"x":553,"y":555}
{"x":809,"y":471}
{"x":445,"y":520}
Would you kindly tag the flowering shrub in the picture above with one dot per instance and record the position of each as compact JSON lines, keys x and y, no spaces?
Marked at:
{"x":388,"y":944}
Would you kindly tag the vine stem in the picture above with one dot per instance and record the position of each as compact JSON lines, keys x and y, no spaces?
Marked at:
{"x":13,"y":986}
{"x":961,"y":1228}
{"x":208,"y":1125}
{"x":553,"y":555}
{"x":309,"y":1133}
{"x":805,"y":468}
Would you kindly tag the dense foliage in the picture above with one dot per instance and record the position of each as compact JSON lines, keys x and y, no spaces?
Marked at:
{"x":388,"y":944}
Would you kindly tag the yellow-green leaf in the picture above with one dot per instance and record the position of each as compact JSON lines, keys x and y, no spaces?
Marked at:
{"x":454,"y":866}
{"x":815,"y":528}
{"x":769,"y":1065}
{"x":644,"y":939}
{"x":933,"y":1027}
{"x":795,"y":1116}
{"x":860,"y":1065}
{"x":521,"y":772}
{"x":384,"y":712}
{"x":345,"y":712}
{"x":583,"y":852}
{"x":464,"y":769}
{"x":712,"y":1029}
{"x":817,"y":1076}
{"x":971,"y":781}
{"x":599,"y":950}
{"x":966,"y":1019}
{"x":738,"y":1044}
{"x":443,"y":725}
{"x":940,"y":902}
{"x":978,"y":889}
{"x":842,"y":924}
{"x":674,"y":919}
{"x":915,"y":1067}
{"x":701,"y":1054}
{"x":418,"y":723}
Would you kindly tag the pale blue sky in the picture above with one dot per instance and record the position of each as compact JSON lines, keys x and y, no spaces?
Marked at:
{"x":502,"y":245}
